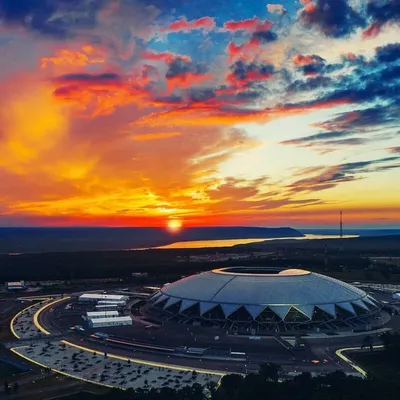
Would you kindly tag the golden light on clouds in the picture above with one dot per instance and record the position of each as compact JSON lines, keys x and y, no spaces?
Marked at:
{"x":157,"y":135}
{"x":33,"y":123}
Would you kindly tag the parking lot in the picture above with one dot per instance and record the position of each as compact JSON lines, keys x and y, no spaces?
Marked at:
{"x":109,"y":370}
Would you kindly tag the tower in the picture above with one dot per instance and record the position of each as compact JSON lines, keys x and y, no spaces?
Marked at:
{"x":341,"y":232}
{"x":341,"y":225}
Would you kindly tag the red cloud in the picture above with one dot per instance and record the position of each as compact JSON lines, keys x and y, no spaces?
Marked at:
{"x":165,"y":56}
{"x":183,"y":25}
{"x":372,"y":31}
{"x":300,"y":59}
{"x":186,"y":80}
{"x":246,"y":51}
{"x":251,"y":25}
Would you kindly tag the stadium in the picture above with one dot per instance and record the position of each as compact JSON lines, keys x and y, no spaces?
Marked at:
{"x":262,"y":299}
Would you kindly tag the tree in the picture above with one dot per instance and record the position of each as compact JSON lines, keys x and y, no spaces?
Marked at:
{"x":367,"y":342}
{"x":7,"y":388}
{"x":230,"y":384}
{"x":269,"y":371}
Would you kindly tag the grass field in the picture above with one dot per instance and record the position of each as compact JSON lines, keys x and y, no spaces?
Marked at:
{"x":376,"y":364}
{"x":8,"y":370}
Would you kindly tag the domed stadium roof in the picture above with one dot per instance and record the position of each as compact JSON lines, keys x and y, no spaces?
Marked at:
{"x":258,"y":289}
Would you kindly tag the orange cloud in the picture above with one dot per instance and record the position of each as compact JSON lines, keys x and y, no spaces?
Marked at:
{"x":183,"y":25}
{"x":87,"y":55}
{"x":32,"y":124}
{"x":155,"y":136}
{"x":209,"y":115}
{"x":309,"y":7}
{"x":99,"y":94}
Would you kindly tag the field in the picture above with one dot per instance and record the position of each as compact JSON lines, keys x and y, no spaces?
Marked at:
{"x":7,"y":370}
{"x":376,"y":364}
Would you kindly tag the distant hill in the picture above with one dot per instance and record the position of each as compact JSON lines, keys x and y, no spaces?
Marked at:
{"x":350,"y":231}
{"x":38,"y":240}
{"x":364,"y":244}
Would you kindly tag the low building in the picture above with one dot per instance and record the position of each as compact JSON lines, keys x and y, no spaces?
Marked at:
{"x":119,"y":303}
{"x":101,"y":314}
{"x":20,"y":285}
{"x":95,"y":297}
{"x":105,"y":322}
{"x":106,"y":307}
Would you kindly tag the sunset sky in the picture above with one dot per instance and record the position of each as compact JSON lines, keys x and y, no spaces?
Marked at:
{"x":203,"y":112}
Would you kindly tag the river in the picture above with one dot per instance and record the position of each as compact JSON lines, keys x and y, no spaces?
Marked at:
{"x":197,"y":244}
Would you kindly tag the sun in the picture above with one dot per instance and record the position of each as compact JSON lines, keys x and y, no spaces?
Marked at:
{"x":174,"y":225}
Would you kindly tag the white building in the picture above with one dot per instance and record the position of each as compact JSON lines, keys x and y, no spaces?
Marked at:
{"x":15,"y":285}
{"x":95,"y":297}
{"x":101,"y":314}
{"x":104,"y":322}
{"x":106,"y":307}
{"x":119,"y":303}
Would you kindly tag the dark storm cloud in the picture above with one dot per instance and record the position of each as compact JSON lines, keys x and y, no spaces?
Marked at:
{"x":171,"y":99}
{"x":200,"y":95}
{"x":312,"y":69}
{"x":241,"y":70}
{"x":181,"y":66}
{"x":90,"y":78}
{"x":367,"y":118}
{"x":366,"y":84}
{"x":388,"y":53}
{"x":55,"y":18}
{"x":382,"y":11}
{"x":310,"y":84}
{"x":265,"y":36}
{"x":364,"y":123}
{"x":334,"y":18}
{"x":329,"y":177}
{"x":317,"y":137}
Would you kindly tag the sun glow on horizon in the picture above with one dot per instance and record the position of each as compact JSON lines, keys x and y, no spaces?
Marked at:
{"x":174,"y":225}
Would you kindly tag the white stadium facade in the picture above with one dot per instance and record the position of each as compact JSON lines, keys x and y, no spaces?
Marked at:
{"x":262,"y":299}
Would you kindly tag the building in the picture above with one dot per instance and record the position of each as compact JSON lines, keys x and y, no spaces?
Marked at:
{"x":119,"y":303}
{"x":261,"y":299}
{"x":95,"y":297}
{"x":106,"y":307}
{"x":20,"y":285}
{"x":101,"y":314}
{"x":105,"y":322}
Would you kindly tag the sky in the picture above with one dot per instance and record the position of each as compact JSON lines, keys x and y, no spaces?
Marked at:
{"x":199,"y":113}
